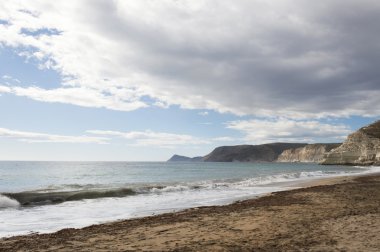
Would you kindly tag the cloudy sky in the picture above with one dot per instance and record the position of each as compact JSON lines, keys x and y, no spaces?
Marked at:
{"x":144,"y":79}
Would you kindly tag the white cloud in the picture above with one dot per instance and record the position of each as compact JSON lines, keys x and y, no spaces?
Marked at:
{"x":286,"y":130}
{"x":224,"y":139}
{"x":5,"y":89}
{"x":82,"y":96}
{"x":33,"y":137}
{"x":137,"y":138}
{"x":151,"y":138}
{"x":10,"y":78}
{"x":280,"y":58}
{"x":203,"y":113}
{"x":116,"y":99}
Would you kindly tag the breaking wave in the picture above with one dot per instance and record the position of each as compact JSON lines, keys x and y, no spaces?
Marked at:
{"x":44,"y":198}
{"x":6,"y":202}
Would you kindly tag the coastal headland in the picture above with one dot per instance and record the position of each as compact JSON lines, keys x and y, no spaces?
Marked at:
{"x":362,"y":147}
{"x":336,"y":214}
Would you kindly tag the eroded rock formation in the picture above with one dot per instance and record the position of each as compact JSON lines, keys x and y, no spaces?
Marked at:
{"x":361,"y":148}
{"x":312,"y":153}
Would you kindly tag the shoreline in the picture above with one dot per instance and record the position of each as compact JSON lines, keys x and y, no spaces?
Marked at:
{"x":321,"y":211}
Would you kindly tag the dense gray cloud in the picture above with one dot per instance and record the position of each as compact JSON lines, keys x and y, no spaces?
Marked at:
{"x":287,"y":58}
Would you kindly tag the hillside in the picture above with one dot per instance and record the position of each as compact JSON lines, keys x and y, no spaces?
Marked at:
{"x":249,"y":153}
{"x":179,"y":158}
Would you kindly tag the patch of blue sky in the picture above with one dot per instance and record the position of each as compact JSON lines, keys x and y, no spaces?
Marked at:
{"x":354,"y":122}
{"x":4,"y":22}
{"x":29,"y":115}
{"x":40,"y":32}
{"x":26,"y":71}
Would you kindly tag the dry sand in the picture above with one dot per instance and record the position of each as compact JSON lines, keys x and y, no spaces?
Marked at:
{"x":342,"y":214}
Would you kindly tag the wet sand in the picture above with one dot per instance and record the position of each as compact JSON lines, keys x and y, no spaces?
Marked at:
{"x":340,"y":214}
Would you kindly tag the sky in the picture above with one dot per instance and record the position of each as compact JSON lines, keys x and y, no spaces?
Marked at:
{"x":141,"y":80}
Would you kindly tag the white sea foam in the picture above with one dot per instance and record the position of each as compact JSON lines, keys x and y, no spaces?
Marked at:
{"x":6,"y":202}
{"x":50,"y":218}
{"x":175,"y":188}
{"x":279,"y":178}
{"x":370,"y":169}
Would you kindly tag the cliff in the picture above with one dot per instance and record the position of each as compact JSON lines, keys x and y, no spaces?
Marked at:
{"x":178,"y":158}
{"x":360,"y":148}
{"x":249,"y":153}
{"x":311,"y":153}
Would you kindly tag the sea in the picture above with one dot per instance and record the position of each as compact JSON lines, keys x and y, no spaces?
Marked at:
{"x":43,"y":197}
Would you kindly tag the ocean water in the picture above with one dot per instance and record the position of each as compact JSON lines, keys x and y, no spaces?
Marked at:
{"x":49,"y":196}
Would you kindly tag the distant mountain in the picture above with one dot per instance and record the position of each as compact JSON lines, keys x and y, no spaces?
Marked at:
{"x":250,"y":153}
{"x":360,"y":148}
{"x":178,"y":158}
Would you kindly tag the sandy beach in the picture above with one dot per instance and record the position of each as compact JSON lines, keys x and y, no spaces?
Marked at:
{"x":339,"y":214}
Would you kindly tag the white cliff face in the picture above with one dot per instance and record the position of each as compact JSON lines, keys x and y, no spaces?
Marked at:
{"x":311,"y":153}
{"x":360,"y":148}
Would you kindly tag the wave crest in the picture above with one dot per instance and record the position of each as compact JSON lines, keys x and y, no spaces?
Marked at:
{"x":38,"y":198}
{"x":6,"y":202}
